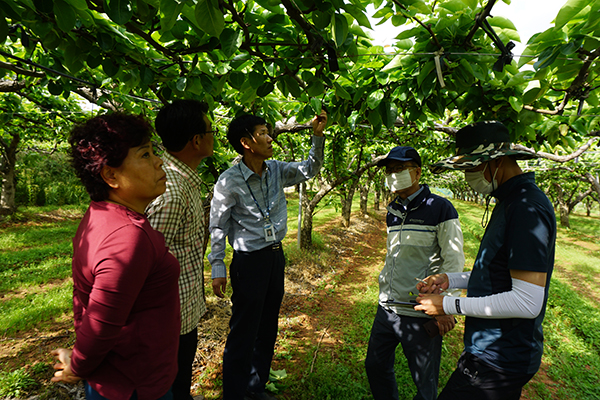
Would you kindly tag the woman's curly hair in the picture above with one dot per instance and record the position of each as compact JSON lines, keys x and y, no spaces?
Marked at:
{"x":105,"y":140}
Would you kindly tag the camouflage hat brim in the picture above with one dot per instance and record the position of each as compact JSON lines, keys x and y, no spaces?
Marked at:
{"x":479,"y":156}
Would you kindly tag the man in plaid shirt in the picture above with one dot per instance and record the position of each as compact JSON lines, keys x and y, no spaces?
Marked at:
{"x":187,"y":136}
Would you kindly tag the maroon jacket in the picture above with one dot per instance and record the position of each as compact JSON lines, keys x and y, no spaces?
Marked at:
{"x":126,"y":304}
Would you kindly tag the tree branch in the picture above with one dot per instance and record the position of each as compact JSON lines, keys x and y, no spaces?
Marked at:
{"x":480,"y":17}
{"x":12,"y":86}
{"x":417,"y":20}
{"x":556,"y":158}
{"x":21,"y":71}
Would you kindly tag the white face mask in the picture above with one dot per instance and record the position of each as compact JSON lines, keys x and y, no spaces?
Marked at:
{"x":399,"y":180}
{"x":478,"y":182}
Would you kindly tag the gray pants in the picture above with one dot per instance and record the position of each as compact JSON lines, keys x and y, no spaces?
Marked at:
{"x":422,"y":352}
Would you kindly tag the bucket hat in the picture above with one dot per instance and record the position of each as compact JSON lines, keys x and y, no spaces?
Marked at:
{"x":401,"y":153}
{"x":478,"y":143}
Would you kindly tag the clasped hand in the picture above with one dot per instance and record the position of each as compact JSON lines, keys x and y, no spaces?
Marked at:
{"x":429,"y":300}
{"x":63,"y":366}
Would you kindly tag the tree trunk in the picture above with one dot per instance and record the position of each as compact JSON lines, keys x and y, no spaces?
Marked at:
{"x":562,"y":207}
{"x":364,"y":197}
{"x":307,"y":224}
{"x":8,"y":161}
{"x":347,"y":203}
{"x":564,"y":215}
{"x":377,"y":200}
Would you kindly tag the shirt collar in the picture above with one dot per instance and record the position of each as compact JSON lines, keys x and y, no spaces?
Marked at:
{"x":247,"y":172}
{"x":181,"y":167}
{"x":406,"y":202}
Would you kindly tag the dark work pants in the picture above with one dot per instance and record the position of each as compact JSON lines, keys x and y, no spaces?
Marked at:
{"x":474,"y":379}
{"x":422,"y":353}
{"x":185,"y":358}
{"x":257,"y":280}
{"x":91,"y":394}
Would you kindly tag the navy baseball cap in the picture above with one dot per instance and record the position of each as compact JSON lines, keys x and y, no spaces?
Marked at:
{"x":401,"y":153}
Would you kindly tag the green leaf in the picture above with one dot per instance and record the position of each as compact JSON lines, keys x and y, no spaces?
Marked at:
{"x":425,"y":71}
{"x":399,"y":20}
{"x":293,"y":86}
{"x":3,"y":28}
{"x":264,"y":89}
{"x":146,"y":75}
{"x":181,"y":83}
{"x":341,"y":29}
{"x":65,"y":16}
{"x":454,"y":6}
{"x":515,"y":103}
{"x":341,"y":92}
{"x":120,"y":11}
{"x":315,"y":88}
{"x":395,"y":63}
{"x":78,"y":4}
{"x":568,"y":12}
{"x":321,"y":19}
{"x":375,"y":98}
{"x":409,"y":33}
{"x":375,"y":119}
{"x":472,"y":4}
{"x":237,"y":79}
{"x":55,"y":88}
{"x":44,"y":6}
{"x":256,"y":79}
{"x":209,"y":17}
{"x":388,"y":113}
{"x":169,"y":12}
{"x":316,"y":106}
{"x":502,"y":22}
{"x":531,"y":95}
{"x":520,"y":78}
{"x":109,"y":67}
{"x":229,"y":41}
{"x":547,"y":57}
{"x":207,"y":83}
{"x":72,"y":58}
{"x":358,"y":15}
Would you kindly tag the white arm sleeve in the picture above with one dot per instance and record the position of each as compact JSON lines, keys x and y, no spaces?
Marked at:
{"x":458,"y":280}
{"x":525,"y":300}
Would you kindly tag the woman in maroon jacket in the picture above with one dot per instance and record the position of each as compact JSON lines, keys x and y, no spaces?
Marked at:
{"x":125,"y":295}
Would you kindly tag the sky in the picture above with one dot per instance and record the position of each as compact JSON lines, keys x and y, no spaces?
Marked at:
{"x":528,"y":16}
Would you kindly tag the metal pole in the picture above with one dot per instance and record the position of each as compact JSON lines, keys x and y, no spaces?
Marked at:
{"x":301,"y":189}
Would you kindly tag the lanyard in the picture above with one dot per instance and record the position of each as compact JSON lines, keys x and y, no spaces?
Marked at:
{"x":267,"y":215}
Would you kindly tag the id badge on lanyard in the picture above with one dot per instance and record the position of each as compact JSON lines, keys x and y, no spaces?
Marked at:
{"x":269,"y":231}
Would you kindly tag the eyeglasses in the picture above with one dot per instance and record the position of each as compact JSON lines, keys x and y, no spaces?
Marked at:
{"x":214,"y":131}
{"x":399,"y":168}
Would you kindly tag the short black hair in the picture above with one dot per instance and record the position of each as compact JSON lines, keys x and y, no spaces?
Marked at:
{"x":177,"y":123}
{"x":243,"y":126}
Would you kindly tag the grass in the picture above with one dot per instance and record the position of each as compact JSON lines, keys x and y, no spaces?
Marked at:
{"x":35,"y":266}
{"x":35,"y":289}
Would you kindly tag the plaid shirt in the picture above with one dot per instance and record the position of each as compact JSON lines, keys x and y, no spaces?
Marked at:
{"x":179,"y":215}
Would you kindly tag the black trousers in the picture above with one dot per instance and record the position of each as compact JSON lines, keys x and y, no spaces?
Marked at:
{"x":257,"y":280}
{"x":185,"y":358}
{"x":474,"y":379}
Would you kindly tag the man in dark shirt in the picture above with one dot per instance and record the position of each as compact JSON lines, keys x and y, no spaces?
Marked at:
{"x":507,"y":289}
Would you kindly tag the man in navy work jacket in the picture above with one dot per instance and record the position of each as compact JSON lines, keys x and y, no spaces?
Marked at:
{"x":424,"y":238}
{"x":249,"y":209}
{"x":507,"y":289}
